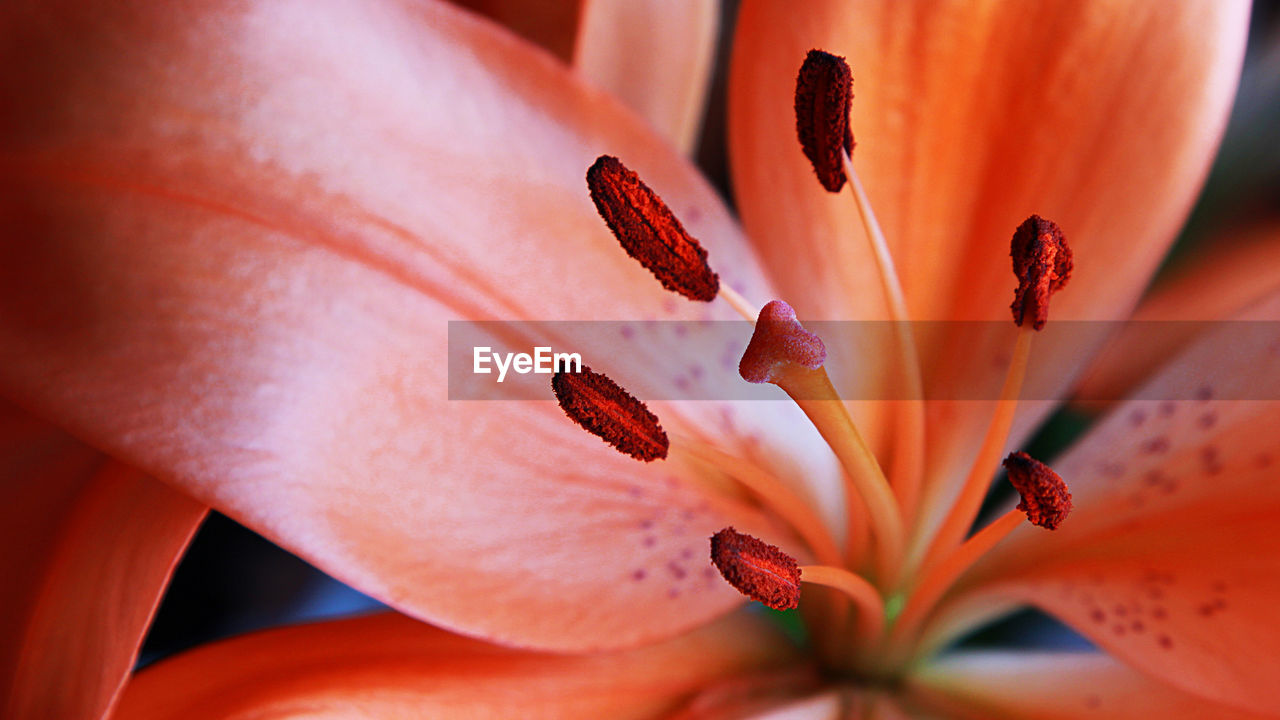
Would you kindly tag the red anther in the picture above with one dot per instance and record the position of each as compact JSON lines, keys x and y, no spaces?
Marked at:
{"x":824,"y":94}
{"x":1042,"y":262}
{"x":757,"y":569}
{"x":1045,"y":499}
{"x":605,"y":410}
{"x":779,"y":340}
{"x":649,"y":231}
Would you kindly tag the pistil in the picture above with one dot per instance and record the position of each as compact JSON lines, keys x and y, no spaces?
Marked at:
{"x":783,"y":353}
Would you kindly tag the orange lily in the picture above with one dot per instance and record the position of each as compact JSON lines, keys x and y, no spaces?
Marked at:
{"x":239,"y":229}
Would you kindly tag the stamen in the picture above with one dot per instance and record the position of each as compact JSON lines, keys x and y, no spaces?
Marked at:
{"x":739,"y":303}
{"x":1042,"y":262}
{"x":909,"y":443}
{"x":960,"y":518}
{"x":779,"y":341}
{"x":788,"y":506}
{"x":1046,"y":502}
{"x":757,"y":569}
{"x":1045,"y":499}
{"x":870,"y":607}
{"x":824,"y":92}
{"x":783,"y":353}
{"x":649,"y":231}
{"x":601,"y":407}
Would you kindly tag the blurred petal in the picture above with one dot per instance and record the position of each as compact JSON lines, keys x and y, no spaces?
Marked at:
{"x":239,"y":230}
{"x":553,"y":24}
{"x":656,"y":56}
{"x":819,"y":707}
{"x":1171,"y":561}
{"x":388,"y":666}
{"x":1227,"y":277}
{"x":89,"y":547}
{"x":969,"y":117}
{"x":1046,"y":686}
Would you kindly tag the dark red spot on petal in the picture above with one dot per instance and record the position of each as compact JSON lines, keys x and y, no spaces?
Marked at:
{"x":824,"y":94}
{"x":1045,"y":499}
{"x":649,"y":231}
{"x":756,"y":569}
{"x":1156,"y":445}
{"x":604,"y":409}
{"x":779,"y":341}
{"x":1042,"y":262}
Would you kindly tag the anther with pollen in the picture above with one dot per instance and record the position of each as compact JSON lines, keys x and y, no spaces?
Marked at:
{"x":604,"y":409}
{"x":1042,"y":262}
{"x":824,"y":95}
{"x":649,"y":231}
{"x":757,"y":569}
{"x":1045,"y":498}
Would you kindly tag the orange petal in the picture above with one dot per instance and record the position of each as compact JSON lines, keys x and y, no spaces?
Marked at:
{"x":656,"y":56}
{"x":553,"y":24}
{"x":1055,"y":686}
{"x":89,"y":547}
{"x":969,"y":117}
{"x":827,"y":706}
{"x":1170,"y":560}
{"x":387,"y":666}
{"x":242,"y":238}
{"x":1218,"y":283}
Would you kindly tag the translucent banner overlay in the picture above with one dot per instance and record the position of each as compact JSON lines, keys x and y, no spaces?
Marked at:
{"x":698,"y":360}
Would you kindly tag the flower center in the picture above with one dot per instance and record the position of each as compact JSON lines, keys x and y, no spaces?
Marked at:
{"x":894,"y":568}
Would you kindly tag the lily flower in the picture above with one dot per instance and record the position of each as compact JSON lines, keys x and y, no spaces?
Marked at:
{"x":237,"y":232}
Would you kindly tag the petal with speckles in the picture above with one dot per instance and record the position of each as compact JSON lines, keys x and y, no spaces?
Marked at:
{"x":238,"y":233}
{"x":1170,"y":560}
{"x":969,"y":117}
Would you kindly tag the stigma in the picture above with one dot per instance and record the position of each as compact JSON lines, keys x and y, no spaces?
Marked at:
{"x":779,"y":341}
